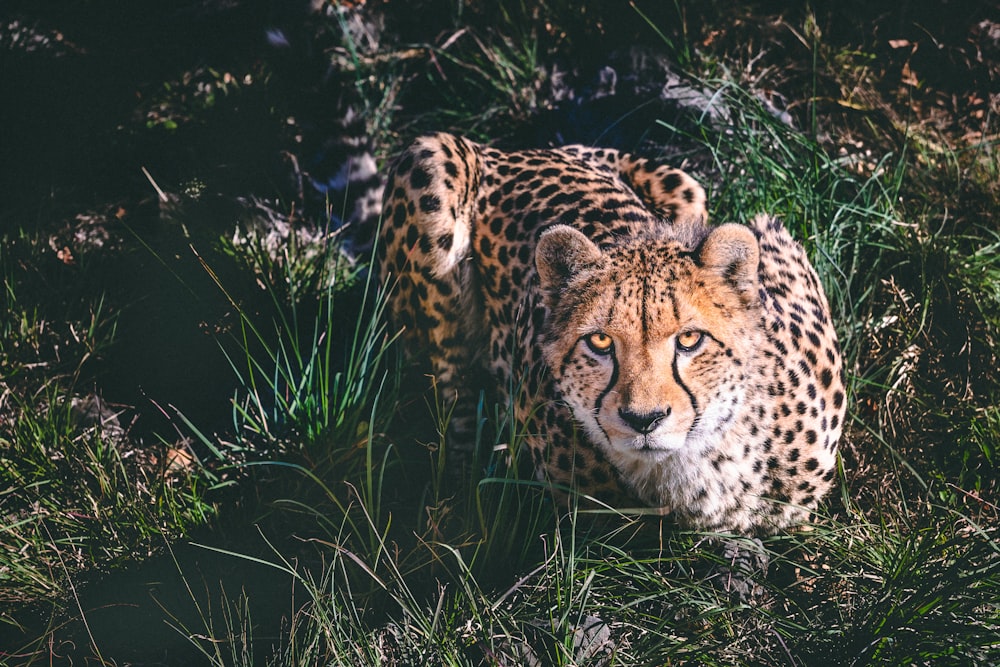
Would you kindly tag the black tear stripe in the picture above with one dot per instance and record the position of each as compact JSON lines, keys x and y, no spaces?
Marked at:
{"x":677,"y":379}
{"x":611,"y":383}
{"x":607,"y":390}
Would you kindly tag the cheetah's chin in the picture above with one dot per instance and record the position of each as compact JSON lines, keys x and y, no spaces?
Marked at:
{"x":656,"y":444}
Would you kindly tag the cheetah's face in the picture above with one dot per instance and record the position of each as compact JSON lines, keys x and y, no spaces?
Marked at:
{"x":650,"y":344}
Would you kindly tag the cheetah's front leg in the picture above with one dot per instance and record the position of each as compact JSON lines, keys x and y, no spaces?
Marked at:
{"x":425,"y":257}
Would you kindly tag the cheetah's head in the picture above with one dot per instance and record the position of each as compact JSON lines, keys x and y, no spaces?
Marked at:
{"x":651,"y":344}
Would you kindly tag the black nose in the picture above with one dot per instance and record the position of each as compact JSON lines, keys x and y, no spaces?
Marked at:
{"x":643,"y":422}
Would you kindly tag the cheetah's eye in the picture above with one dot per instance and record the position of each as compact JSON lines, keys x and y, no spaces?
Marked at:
{"x":600,"y":343}
{"x":688,"y":341}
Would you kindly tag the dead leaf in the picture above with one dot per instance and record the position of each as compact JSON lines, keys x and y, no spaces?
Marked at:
{"x":178,"y":460}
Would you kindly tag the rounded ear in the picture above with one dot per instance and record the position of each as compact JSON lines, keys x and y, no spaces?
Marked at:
{"x":732,"y":252}
{"x":561,"y":253}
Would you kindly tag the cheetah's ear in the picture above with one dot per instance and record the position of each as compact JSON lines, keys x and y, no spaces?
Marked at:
{"x":732,"y":252}
{"x":561,"y":253}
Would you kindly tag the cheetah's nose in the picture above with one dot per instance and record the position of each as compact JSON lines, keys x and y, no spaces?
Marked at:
{"x":642,"y":422}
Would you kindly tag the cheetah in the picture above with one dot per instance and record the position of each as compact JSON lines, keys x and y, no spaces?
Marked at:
{"x":651,"y":357}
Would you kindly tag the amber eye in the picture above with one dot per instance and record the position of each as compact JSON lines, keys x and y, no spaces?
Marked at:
{"x":600,"y":343}
{"x":689,"y":340}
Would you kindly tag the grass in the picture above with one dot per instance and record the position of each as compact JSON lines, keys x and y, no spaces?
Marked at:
{"x":861,"y":587}
{"x":74,"y":489}
{"x":332,"y":466}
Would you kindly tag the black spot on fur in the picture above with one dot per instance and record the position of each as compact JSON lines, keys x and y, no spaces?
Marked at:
{"x":425,"y":244}
{"x":404,"y":165}
{"x":412,"y":234}
{"x":430,"y":203}
{"x":672,"y":181}
{"x":419,"y":178}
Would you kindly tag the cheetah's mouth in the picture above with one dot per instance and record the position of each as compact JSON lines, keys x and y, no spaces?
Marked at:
{"x":656,"y":443}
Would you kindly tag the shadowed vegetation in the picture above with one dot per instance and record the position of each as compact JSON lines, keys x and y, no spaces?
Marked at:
{"x":211,"y":450}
